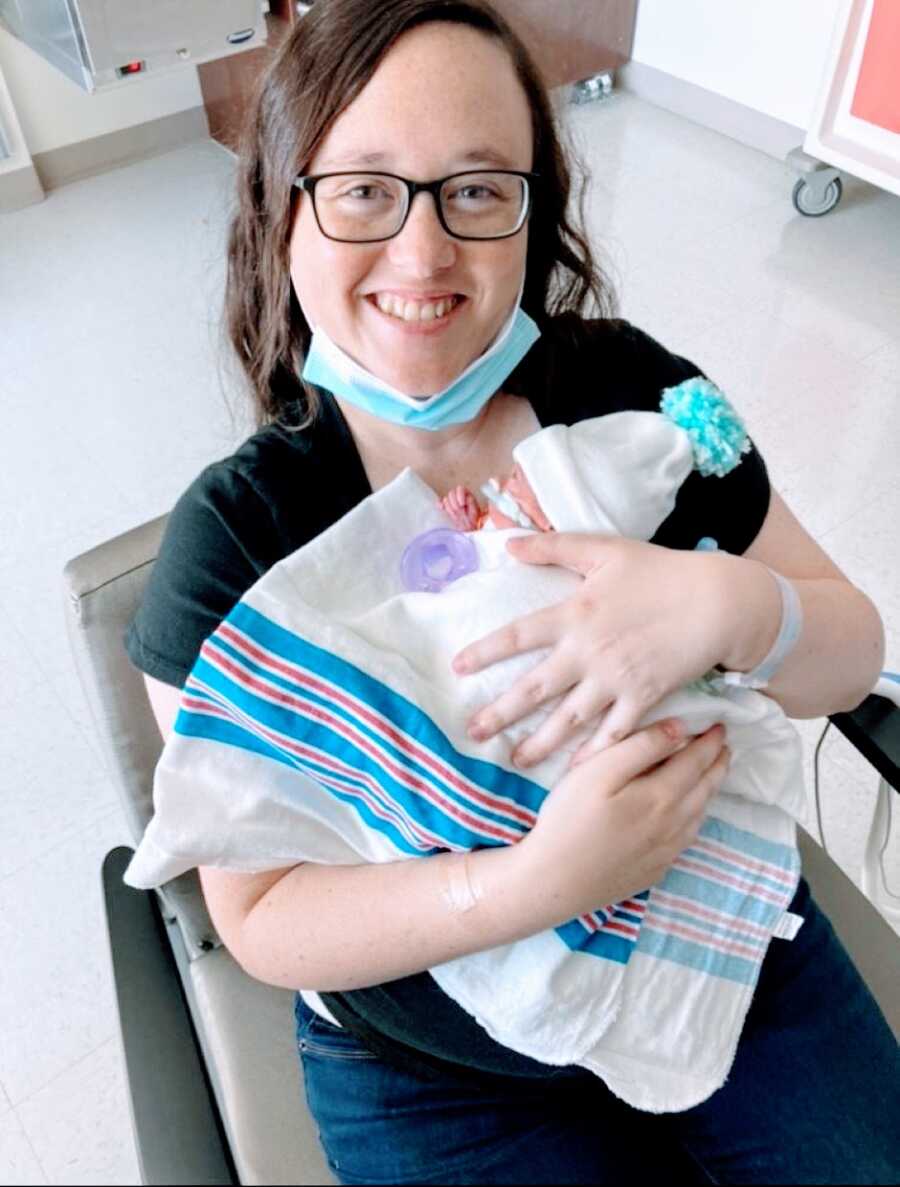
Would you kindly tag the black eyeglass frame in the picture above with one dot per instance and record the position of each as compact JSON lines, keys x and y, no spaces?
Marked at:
{"x":307,"y":182}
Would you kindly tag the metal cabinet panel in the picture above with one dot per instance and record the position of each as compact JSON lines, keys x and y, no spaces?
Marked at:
{"x":90,"y":40}
{"x":119,"y":31}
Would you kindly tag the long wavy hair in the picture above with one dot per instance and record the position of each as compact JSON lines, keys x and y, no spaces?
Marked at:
{"x":316,"y":73}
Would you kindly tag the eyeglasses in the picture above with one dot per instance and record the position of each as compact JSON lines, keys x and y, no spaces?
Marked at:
{"x":370,"y":207}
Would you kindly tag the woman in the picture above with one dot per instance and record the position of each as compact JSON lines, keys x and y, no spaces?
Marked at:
{"x":415,"y":295}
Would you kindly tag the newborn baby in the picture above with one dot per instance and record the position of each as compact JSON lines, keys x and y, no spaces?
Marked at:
{"x":511,"y":503}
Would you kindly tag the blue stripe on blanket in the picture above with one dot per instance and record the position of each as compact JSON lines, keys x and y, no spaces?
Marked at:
{"x":418,"y":736}
{"x":783,"y":856}
{"x":700,"y":918}
{"x":251,"y":690}
{"x":348,"y":789}
{"x":604,"y":944}
{"x":696,"y":956}
{"x":204,"y":721}
{"x":729,"y":867}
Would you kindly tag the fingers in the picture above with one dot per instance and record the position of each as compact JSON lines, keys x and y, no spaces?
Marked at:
{"x":621,"y":720}
{"x":685,"y":770}
{"x":544,"y":681}
{"x":693,"y":803}
{"x":583,"y":704}
{"x":580,"y":551}
{"x":638,"y":753}
{"x":535,"y":630}
{"x":709,"y":783}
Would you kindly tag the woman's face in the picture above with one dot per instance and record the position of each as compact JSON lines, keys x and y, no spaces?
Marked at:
{"x":444,"y":100}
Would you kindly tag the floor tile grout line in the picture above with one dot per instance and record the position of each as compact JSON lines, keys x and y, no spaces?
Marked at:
{"x":113,"y":1037}
{"x":27,"y":1136}
{"x":74,"y":835}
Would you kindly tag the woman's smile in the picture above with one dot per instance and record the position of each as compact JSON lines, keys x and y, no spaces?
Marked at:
{"x":428,"y":314}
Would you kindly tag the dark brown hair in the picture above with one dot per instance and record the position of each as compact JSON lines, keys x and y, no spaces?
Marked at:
{"x":318,"y":71}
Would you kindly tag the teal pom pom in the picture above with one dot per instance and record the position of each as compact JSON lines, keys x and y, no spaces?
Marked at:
{"x":717,"y":435}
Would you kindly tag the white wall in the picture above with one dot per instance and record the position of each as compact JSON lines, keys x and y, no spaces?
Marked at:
{"x":767,"y":54}
{"x":53,"y":111}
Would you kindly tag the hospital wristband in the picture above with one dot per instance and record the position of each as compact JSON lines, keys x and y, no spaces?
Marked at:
{"x":786,"y":640}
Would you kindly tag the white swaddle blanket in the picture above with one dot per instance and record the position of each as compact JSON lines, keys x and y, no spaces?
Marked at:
{"x":322,"y":722}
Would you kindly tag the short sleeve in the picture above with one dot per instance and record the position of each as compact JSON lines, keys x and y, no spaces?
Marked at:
{"x":730,"y":510}
{"x":219,"y":539}
{"x":599,"y":367}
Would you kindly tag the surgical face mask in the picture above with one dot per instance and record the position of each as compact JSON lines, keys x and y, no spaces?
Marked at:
{"x":330,"y":367}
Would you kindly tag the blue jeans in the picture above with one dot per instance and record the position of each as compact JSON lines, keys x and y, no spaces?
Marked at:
{"x":811,"y":1098}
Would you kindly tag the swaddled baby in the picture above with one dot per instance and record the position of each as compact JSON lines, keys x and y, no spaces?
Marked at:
{"x":322,"y":722}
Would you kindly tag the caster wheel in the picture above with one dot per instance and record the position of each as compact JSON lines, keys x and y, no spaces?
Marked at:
{"x":806,"y":204}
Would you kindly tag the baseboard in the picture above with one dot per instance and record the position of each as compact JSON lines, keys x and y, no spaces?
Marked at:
{"x":19,"y":188}
{"x":750,"y":127}
{"x":73,"y":162}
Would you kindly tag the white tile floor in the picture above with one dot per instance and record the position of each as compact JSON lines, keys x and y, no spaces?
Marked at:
{"x":111,"y":401}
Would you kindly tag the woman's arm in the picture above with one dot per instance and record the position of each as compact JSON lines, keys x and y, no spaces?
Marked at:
{"x":840,"y":652}
{"x":605,"y":832}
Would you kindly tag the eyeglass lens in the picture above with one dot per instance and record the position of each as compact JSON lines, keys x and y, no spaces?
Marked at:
{"x":362,"y":206}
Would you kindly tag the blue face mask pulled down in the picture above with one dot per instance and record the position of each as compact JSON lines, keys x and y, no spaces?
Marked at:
{"x":328,"y":366}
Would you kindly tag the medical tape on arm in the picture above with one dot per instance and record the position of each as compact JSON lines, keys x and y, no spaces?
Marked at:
{"x":459,"y":893}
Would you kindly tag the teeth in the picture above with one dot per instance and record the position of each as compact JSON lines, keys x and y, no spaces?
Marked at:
{"x":414,"y":310}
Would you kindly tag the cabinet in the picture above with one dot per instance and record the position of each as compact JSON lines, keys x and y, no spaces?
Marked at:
{"x":227,"y":84}
{"x":570,"y":39}
{"x":573,"y":39}
{"x":856,"y":122}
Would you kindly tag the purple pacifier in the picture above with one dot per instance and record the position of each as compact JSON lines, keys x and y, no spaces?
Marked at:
{"x":434,"y":559}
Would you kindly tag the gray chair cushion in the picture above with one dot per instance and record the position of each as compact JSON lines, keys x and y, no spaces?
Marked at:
{"x":870,"y":940}
{"x":247,"y":1032}
{"x":103,"y":589}
{"x":245,"y":1028}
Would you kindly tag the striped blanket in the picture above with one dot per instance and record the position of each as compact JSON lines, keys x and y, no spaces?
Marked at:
{"x":322,"y":722}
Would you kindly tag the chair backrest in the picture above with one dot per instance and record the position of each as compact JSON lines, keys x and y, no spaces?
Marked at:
{"x":103,"y":589}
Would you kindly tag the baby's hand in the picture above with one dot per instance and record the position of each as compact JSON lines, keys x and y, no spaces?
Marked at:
{"x":462,"y":507}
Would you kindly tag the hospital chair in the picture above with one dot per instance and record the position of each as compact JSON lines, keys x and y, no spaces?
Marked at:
{"x":213,"y":1076}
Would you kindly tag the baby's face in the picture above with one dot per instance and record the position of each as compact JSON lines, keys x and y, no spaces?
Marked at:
{"x":518,"y":488}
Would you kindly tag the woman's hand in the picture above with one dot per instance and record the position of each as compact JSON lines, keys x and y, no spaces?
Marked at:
{"x":615,"y":823}
{"x":646,"y":621}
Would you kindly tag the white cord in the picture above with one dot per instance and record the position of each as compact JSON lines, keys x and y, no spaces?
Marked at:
{"x":888,"y":686}
{"x":816,"y":784}
{"x":884,"y":844}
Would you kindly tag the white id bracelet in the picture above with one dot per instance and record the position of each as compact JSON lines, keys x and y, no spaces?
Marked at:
{"x":788,"y":634}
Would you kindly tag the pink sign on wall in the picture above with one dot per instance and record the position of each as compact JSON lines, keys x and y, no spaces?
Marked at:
{"x":877,"y":96}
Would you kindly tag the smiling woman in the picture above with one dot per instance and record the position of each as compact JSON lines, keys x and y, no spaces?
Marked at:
{"x":478,"y":282}
{"x":406,"y":288}
{"x":451,"y":97}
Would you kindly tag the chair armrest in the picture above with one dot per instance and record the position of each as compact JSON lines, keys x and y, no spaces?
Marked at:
{"x":178,"y":1132}
{"x":874,"y":729}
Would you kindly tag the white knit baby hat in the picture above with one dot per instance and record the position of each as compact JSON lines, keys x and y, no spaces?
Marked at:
{"x":621,"y":472}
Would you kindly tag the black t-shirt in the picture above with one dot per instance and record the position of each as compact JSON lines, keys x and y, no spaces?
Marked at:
{"x":280,"y":489}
